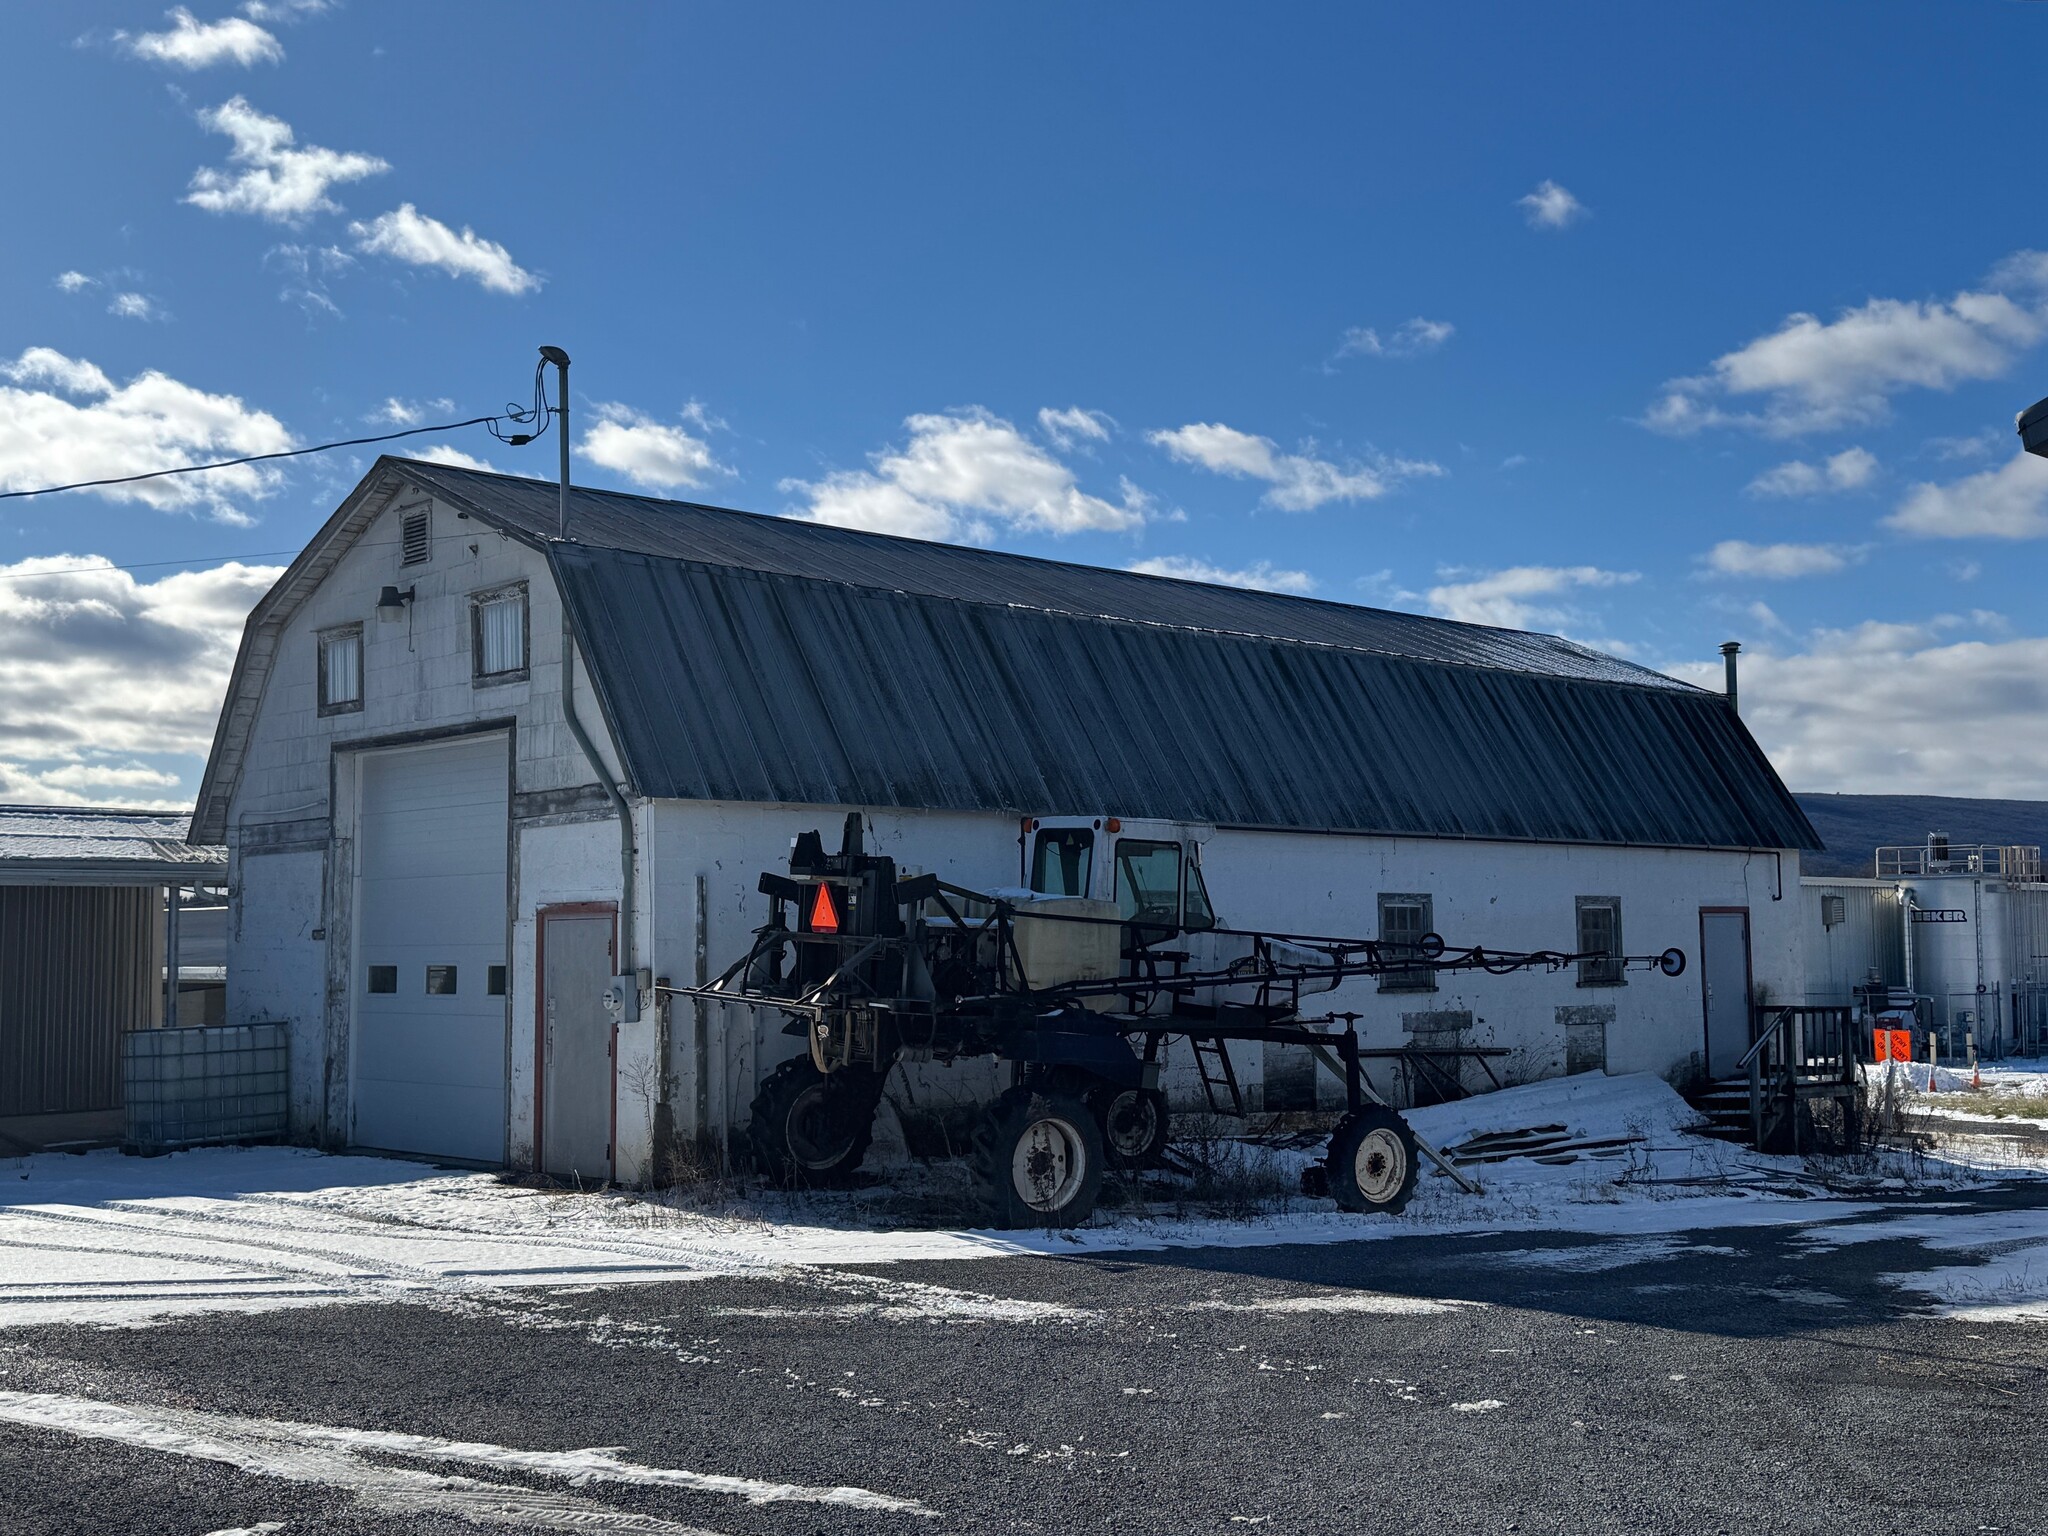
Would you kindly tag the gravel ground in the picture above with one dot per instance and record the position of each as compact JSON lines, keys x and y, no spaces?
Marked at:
{"x":1740,"y":1380}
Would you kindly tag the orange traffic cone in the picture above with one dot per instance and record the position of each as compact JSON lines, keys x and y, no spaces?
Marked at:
{"x":1976,"y":1077}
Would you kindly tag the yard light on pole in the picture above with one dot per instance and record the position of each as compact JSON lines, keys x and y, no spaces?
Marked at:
{"x":2033,"y":428}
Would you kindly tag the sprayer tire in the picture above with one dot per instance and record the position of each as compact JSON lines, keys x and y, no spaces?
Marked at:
{"x":1134,"y":1124}
{"x":1372,"y":1161}
{"x":809,"y":1130}
{"x":1038,"y":1159}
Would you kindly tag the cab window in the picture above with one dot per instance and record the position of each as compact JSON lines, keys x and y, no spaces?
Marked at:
{"x":1198,"y":915}
{"x":1148,"y":882}
{"x":1060,"y":861}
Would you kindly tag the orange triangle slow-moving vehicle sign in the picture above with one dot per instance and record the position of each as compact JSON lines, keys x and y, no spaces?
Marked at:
{"x":824,"y":913}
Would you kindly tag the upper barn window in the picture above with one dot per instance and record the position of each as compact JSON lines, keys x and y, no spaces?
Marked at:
{"x":341,"y":669}
{"x":497,"y":634}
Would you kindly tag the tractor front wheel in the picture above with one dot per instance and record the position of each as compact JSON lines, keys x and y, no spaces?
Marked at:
{"x":1038,"y":1156}
{"x":811,"y":1129}
{"x":1372,"y":1161}
{"x":1134,"y":1124}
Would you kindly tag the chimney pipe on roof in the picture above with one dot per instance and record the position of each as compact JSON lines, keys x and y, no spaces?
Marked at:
{"x":1729,"y":648}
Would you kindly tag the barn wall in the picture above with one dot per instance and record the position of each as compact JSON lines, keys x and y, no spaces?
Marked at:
{"x":290,"y":821}
{"x":277,"y":963}
{"x":1518,"y":896}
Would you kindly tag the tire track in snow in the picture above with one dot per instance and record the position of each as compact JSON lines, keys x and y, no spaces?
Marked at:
{"x":337,"y":1457}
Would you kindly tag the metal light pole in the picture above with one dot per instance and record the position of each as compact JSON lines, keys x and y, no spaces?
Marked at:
{"x":560,"y":359}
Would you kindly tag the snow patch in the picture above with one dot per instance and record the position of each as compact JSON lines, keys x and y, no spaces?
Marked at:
{"x":332,"y":1456}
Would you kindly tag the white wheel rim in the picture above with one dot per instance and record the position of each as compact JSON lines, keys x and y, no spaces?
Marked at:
{"x":1048,"y":1165}
{"x":1132,"y":1119}
{"x":1380,"y":1166}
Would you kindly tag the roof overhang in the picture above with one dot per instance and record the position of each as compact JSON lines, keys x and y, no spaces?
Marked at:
{"x":102,"y":872}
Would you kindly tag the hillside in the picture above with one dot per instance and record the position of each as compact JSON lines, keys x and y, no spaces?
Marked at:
{"x":1853,"y":825}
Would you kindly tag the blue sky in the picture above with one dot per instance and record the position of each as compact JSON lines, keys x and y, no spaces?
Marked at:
{"x":1650,"y":326}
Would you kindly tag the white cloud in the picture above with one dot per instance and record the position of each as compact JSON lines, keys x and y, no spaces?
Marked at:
{"x":965,"y":474}
{"x":405,"y":234}
{"x":75,"y":282}
{"x":650,"y":453}
{"x":1409,"y":339}
{"x":62,"y":419}
{"x":1298,"y":482}
{"x":1065,"y":429}
{"x":136,"y":306}
{"x":454,"y":458}
{"x":2009,"y":502}
{"x":272,"y":177}
{"x":1874,"y":710}
{"x":1979,"y":445}
{"x":283,"y":10}
{"x":1550,"y":206}
{"x":194,"y":44}
{"x":1776,"y":562}
{"x":1812,"y":375}
{"x":307,"y":269}
{"x":94,"y":662}
{"x":1849,"y":470}
{"x":2022,"y":269}
{"x":1261,"y":575}
{"x":1520,"y":597}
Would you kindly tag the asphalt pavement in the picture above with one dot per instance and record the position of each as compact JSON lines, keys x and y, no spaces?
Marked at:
{"x":1741,"y":1380}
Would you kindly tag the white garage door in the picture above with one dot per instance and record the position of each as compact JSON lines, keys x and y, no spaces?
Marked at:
{"x":430,"y":1032}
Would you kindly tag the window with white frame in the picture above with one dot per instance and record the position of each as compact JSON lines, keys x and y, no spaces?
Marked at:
{"x":1600,"y":936}
{"x":1406,"y":918}
{"x":498,"y":641}
{"x":341,"y":669}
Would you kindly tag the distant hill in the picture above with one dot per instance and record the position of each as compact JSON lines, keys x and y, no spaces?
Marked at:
{"x":1853,"y":825}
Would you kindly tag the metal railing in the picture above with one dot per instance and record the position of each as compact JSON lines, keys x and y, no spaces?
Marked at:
{"x":2014,"y":861}
{"x":1801,"y":1052}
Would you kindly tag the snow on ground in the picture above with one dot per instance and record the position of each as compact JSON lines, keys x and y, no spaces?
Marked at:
{"x":2007,"y":1280}
{"x":105,"y":1239}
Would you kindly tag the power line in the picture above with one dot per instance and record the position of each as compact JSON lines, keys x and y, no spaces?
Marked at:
{"x":256,"y":458}
{"x":145,"y":565}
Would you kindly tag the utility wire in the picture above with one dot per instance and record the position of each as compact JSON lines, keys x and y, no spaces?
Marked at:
{"x":254,"y":458}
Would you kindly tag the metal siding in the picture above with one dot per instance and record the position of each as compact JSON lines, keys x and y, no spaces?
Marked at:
{"x":77,"y":972}
{"x":742,"y":685}
{"x":719,"y":537}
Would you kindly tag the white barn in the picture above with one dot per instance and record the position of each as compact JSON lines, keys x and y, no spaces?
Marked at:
{"x":431,"y":879}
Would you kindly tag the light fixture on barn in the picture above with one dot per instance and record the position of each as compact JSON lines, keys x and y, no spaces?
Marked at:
{"x":2033,"y":428}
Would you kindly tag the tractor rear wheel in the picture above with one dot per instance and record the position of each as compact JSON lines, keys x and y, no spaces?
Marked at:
{"x":1372,"y":1161}
{"x":1038,"y":1155}
{"x":1134,"y":1124}
{"x":811,"y":1129}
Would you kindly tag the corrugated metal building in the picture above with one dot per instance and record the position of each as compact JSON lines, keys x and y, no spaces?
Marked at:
{"x":739,"y":678}
{"x":83,"y":935}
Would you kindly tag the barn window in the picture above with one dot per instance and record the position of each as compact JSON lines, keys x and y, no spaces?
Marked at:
{"x":1404,"y":918}
{"x":341,"y":669}
{"x":383,"y":978}
{"x":497,"y":635}
{"x":415,"y":537}
{"x":1600,"y":934}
